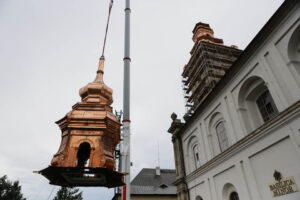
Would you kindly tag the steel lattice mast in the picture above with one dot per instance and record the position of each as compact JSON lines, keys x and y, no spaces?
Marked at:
{"x":125,"y":147}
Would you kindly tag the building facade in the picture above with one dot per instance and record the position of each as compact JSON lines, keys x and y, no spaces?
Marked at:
{"x":152,"y":184}
{"x":240,"y":138}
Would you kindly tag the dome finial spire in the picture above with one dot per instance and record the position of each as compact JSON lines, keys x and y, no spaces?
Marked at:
{"x":97,"y":91}
{"x":100,"y":71}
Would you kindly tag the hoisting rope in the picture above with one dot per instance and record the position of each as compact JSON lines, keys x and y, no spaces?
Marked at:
{"x":51,"y":192}
{"x":107,"y":24}
{"x":38,"y":194}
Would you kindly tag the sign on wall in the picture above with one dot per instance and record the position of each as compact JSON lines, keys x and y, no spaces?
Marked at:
{"x":283,"y":186}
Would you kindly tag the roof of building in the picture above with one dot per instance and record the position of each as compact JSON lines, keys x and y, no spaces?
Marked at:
{"x":148,"y":183}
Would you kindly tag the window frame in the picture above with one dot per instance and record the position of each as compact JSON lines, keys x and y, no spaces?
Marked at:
{"x":262,"y":105}
{"x":218,"y":134}
{"x":213,"y":138}
{"x":196,"y":159}
{"x":190,"y":161}
{"x":251,"y":89}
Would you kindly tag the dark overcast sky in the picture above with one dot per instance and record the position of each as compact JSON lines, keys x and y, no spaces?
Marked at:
{"x":49,"y":49}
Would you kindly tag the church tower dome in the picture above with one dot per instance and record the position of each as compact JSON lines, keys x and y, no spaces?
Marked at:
{"x":90,"y":133}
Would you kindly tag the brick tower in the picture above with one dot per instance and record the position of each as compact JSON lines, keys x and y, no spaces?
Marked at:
{"x":210,"y":59}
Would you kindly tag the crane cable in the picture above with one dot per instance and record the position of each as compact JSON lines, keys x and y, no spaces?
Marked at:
{"x":51,"y":192}
{"x":40,"y":190}
{"x":107,"y":24}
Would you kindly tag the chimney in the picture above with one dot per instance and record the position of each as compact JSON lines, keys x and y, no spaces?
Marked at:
{"x":203,"y":32}
{"x":157,"y":171}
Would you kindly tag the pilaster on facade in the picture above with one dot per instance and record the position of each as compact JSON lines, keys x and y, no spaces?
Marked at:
{"x":213,"y":187}
{"x":234,"y":113}
{"x":249,"y":174}
{"x":280,"y":74}
{"x":286,"y":76}
{"x":230,"y":116}
{"x":241,"y":171}
{"x":226,"y":113}
{"x":204,"y":140}
{"x":182,"y":190}
{"x":273,"y":84}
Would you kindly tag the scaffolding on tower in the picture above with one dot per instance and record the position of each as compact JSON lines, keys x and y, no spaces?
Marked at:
{"x":210,"y":59}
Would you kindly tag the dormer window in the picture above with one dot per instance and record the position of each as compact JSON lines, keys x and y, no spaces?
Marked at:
{"x":163,"y":186}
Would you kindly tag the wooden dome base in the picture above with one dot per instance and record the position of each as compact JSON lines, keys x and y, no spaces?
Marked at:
{"x":83,"y":177}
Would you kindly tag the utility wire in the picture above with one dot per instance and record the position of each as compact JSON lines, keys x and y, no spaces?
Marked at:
{"x":107,"y":24}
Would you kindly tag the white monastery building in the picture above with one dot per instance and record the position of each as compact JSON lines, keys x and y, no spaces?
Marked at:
{"x":240,"y":137}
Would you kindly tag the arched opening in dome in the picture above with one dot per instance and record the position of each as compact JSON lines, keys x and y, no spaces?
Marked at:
{"x":83,"y":155}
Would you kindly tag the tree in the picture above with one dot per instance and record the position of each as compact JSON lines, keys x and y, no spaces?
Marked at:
{"x":65,"y":193}
{"x":10,"y":190}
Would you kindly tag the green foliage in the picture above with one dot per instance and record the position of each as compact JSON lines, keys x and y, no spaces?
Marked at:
{"x":65,"y":193}
{"x":10,"y":190}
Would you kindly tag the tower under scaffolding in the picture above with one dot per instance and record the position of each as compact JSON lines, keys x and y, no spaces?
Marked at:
{"x":210,"y":59}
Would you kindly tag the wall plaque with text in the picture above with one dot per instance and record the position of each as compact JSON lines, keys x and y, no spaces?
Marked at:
{"x":284,"y":186}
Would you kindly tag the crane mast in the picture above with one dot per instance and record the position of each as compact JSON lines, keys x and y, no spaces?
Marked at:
{"x":125,"y":146}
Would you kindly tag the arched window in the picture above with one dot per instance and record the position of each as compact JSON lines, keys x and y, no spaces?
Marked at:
{"x":198,"y":198}
{"x":256,"y":104}
{"x":294,"y":50}
{"x":230,"y":192}
{"x":234,"y":196}
{"x":218,"y":138}
{"x":196,"y":156}
{"x":83,"y":155}
{"x":222,"y":136}
{"x":193,"y":154}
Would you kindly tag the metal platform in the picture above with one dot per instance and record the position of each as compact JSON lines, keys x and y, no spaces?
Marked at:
{"x":83,"y":177}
